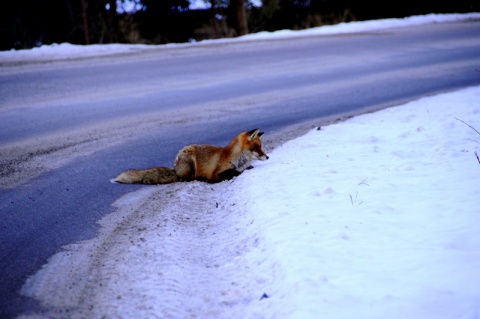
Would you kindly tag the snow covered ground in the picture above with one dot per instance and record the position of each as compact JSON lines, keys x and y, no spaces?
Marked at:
{"x":374,"y":217}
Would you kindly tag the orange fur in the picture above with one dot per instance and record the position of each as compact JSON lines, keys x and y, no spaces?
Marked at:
{"x":207,"y":163}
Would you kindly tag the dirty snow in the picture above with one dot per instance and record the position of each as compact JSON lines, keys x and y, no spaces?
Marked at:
{"x":374,"y":217}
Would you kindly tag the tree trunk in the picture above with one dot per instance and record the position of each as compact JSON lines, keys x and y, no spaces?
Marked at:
{"x":85,"y":22}
{"x":113,"y":21}
{"x":241,"y":16}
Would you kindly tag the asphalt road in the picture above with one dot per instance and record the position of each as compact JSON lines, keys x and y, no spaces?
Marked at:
{"x":94,"y":118}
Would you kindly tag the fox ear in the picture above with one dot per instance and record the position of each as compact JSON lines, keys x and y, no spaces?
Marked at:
{"x":252,"y":134}
{"x":260,"y":134}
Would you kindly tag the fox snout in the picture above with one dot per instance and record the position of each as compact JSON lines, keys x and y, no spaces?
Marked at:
{"x":262,"y":157}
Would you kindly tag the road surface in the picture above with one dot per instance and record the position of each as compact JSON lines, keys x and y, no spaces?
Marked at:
{"x":67,"y":127}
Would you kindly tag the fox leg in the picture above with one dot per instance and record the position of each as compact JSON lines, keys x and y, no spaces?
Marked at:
{"x":228,"y":174}
{"x":184,"y":165}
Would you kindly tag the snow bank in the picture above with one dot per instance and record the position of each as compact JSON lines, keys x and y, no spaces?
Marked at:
{"x":376,"y":217}
{"x":67,"y":51}
{"x":363,"y":26}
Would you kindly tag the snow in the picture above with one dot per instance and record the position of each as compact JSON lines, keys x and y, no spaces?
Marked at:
{"x":364,"y":26}
{"x":374,"y":217}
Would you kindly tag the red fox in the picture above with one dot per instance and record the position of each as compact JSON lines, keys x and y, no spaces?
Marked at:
{"x":206,"y":163}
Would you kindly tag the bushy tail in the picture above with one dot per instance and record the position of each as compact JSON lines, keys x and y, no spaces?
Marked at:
{"x":156,"y":175}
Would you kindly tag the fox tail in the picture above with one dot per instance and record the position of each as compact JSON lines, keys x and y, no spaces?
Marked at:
{"x":156,"y":175}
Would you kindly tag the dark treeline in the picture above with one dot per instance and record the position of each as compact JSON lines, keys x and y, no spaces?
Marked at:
{"x":29,"y":23}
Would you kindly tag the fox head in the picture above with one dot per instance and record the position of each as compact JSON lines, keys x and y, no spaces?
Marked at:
{"x":254,"y":144}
